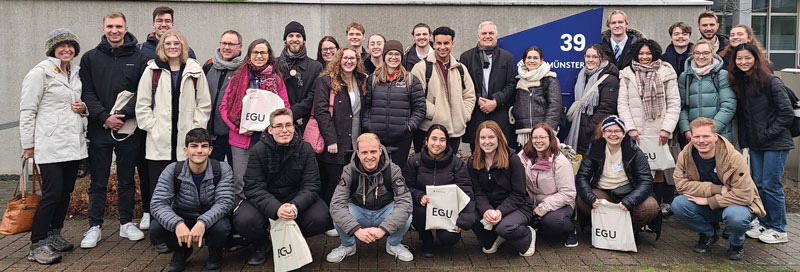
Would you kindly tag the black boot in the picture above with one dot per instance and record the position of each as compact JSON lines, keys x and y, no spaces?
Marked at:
{"x":259,"y":255}
{"x":179,"y":257}
{"x":736,"y":252}
{"x":704,"y":243}
{"x":214,"y":261}
{"x":427,"y":243}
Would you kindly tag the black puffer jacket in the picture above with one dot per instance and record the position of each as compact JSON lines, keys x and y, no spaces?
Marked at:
{"x":764,"y":119}
{"x":501,"y":89}
{"x":339,"y":128}
{"x":607,"y":105}
{"x":538,"y":104}
{"x":637,"y":169}
{"x":391,"y":108}
{"x":279,"y":174}
{"x":501,"y":188}
{"x":422,"y":170}
{"x":301,"y":97}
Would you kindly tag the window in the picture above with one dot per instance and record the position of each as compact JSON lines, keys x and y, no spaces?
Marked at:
{"x":783,"y":33}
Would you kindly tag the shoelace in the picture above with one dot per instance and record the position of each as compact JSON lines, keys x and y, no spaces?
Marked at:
{"x":397,"y":254}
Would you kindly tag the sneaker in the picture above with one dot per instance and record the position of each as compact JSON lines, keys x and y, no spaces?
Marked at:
{"x":400,"y":251}
{"x":58,"y":242}
{"x":736,"y":252}
{"x":162,"y":248}
{"x":179,"y":258}
{"x":497,"y":242}
{"x":532,"y":247}
{"x":144,"y":224}
{"x":332,"y":233}
{"x":130,"y":231}
{"x":704,"y":243}
{"x":259,"y":255}
{"x":338,"y":254}
{"x":572,"y":239}
{"x":666,"y":209}
{"x":91,"y":237}
{"x":755,"y":230}
{"x":772,"y":236}
{"x":43,"y":253}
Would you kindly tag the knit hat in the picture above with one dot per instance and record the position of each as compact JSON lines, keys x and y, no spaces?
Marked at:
{"x":58,"y":37}
{"x":613,"y":120}
{"x":392,"y":45}
{"x":294,"y":26}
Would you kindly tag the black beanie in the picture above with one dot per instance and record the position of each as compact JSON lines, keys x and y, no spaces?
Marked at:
{"x":294,"y":26}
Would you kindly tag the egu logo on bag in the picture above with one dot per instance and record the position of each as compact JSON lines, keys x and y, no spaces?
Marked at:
{"x":283,"y":252}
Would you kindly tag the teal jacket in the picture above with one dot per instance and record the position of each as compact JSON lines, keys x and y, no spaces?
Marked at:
{"x":702,"y":98}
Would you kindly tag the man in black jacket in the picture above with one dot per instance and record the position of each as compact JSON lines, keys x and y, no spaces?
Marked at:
{"x":114,"y":66}
{"x":680,"y":47}
{"x":422,"y":47}
{"x":299,"y":72}
{"x":492,"y":70}
{"x":162,"y":22}
{"x":281,"y":183}
{"x":708,"y":25}
{"x":616,"y":41}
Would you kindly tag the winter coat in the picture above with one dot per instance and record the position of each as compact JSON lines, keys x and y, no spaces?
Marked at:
{"x":702,"y":99}
{"x":194,"y":108}
{"x":148,"y":47}
{"x":733,"y":172}
{"x":764,"y":119}
{"x":631,"y":107}
{"x":637,"y":169}
{"x":209,"y":203}
{"x":106,"y":71}
{"x":606,"y":106}
{"x":537,"y":104}
{"x":364,"y":195}
{"x":393,"y":109}
{"x":410,"y":57}
{"x":336,"y":129}
{"x":626,"y":57}
{"x":502,"y":189}
{"x":218,"y":80}
{"x":677,"y":61}
{"x":279,"y":174}
{"x":550,"y":190}
{"x":46,"y":120}
{"x":723,"y":42}
{"x":422,"y":170}
{"x":234,"y":138}
{"x":301,"y":97}
{"x":452,"y":110}
{"x":502,"y":87}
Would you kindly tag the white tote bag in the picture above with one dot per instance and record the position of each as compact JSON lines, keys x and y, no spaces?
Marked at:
{"x":290,"y":250}
{"x":445,"y":202}
{"x":129,"y":127}
{"x":658,"y":156}
{"x":612,"y":228}
{"x":257,"y":105}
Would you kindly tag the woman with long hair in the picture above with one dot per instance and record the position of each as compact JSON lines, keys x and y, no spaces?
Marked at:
{"x":375,"y":45}
{"x":326,"y":48}
{"x":538,"y":96}
{"x":739,"y":34}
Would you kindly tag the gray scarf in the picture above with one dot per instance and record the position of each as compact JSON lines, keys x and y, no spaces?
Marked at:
{"x":222,"y":64}
{"x":288,"y":62}
{"x":590,"y":104}
{"x":485,"y":58}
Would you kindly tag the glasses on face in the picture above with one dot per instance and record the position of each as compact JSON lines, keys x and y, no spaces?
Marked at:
{"x":349,"y":59}
{"x":227,"y":44}
{"x":162,"y":21}
{"x":591,"y":57}
{"x":257,"y":53}
{"x":286,"y":126}
{"x":705,"y":53}
{"x":540,"y":137}
{"x":329,"y":49}
{"x":612,"y":131}
{"x":393,"y":54}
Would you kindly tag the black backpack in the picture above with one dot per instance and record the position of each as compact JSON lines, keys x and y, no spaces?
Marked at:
{"x":215,"y":167}
{"x":429,"y":73}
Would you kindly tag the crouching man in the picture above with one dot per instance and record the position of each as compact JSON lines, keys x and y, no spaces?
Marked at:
{"x":191,"y":201}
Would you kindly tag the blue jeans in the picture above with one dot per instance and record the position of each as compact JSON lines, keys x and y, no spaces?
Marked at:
{"x":369,"y":218}
{"x":699,"y":218}
{"x":767,"y":169}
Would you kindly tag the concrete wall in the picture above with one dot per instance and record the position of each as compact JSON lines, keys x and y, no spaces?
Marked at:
{"x":27,"y":23}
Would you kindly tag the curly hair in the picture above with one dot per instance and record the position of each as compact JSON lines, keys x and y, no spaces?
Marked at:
{"x":655,"y":49}
{"x":334,"y":70}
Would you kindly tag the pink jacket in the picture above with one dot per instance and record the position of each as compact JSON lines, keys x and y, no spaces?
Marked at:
{"x":550,"y":190}
{"x":239,"y":140}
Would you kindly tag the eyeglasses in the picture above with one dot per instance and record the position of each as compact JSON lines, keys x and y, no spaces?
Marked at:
{"x":349,"y":59}
{"x":256,"y":53}
{"x":161,"y":21}
{"x":286,"y":126}
{"x":540,"y":138}
{"x":329,"y":49}
{"x":227,"y":44}
{"x":613,"y":131}
{"x":393,"y":54}
{"x":706,"y":53}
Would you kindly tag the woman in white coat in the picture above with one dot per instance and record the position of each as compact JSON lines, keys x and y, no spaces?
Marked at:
{"x":52,"y":132}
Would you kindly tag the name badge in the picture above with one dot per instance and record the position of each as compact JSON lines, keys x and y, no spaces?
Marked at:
{"x":616,"y":168}
{"x":400,"y":84}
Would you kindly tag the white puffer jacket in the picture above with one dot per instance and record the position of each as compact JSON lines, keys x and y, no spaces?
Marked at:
{"x":631,"y":108}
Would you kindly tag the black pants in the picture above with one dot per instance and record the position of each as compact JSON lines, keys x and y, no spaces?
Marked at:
{"x":418,"y":137}
{"x":58,"y":181}
{"x":215,"y":235}
{"x":253,"y":225}
{"x":155,"y":168}
{"x":400,"y":150}
{"x":418,"y":220}
{"x":329,"y":175}
{"x":513,"y":227}
{"x":145,"y":189}
{"x":222,"y":149}
{"x":558,"y":223}
{"x":101,"y":146}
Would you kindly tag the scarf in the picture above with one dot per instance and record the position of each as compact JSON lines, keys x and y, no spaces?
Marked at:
{"x":699,"y":72}
{"x":590,"y":104}
{"x":651,"y":89}
{"x":531,"y":78}
{"x":222,"y":64}
{"x":288,"y":62}
{"x":237,"y":88}
{"x":485,"y":59}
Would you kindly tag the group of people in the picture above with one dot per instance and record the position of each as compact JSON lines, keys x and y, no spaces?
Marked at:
{"x":173,"y":119}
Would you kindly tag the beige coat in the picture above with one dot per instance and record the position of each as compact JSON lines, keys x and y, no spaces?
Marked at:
{"x":631,"y":108}
{"x":452,"y":112}
{"x":193,"y":110}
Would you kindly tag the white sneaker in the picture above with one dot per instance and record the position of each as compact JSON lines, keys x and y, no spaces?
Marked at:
{"x":130,"y":231}
{"x":532,"y":247}
{"x":772,"y":236}
{"x":400,"y":251}
{"x":91,"y":237}
{"x":338,"y":254}
{"x":144,"y":224}
{"x":332,"y":233}
{"x":755,"y":229}
{"x":497,"y":242}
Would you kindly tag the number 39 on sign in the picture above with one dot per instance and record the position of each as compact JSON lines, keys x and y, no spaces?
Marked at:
{"x":575,"y":42}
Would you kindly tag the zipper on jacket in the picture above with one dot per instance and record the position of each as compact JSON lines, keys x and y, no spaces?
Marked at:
{"x":435,"y":162}
{"x":530,"y":111}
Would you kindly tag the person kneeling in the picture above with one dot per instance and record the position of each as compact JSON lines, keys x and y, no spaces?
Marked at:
{"x":191,"y":201}
{"x":282,"y":177}
{"x":715,"y":185}
{"x":371,"y":201}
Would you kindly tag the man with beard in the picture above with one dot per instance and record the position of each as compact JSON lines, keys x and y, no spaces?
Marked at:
{"x":219,"y":70}
{"x":708,"y":26}
{"x":299,"y":72}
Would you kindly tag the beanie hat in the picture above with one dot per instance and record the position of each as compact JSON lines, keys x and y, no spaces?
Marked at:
{"x":613,"y":120}
{"x":294,"y":26}
{"x":59,"y":36}
{"x":392,"y":45}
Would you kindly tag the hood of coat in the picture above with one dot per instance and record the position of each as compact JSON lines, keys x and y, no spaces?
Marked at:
{"x":717,"y":67}
{"x":128,"y":46}
{"x":453,"y":61}
{"x":632,"y":32}
{"x":190,"y":68}
{"x":50,"y":64}
{"x":431,"y":163}
{"x":383,"y":163}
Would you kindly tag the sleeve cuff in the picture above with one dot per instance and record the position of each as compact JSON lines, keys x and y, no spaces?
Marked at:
{"x":712,"y":203}
{"x":716,"y":189}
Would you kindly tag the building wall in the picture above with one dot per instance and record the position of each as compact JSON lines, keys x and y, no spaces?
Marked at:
{"x":27,"y":23}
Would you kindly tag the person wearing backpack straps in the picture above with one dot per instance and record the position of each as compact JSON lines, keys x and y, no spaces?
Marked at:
{"x":765,"y":115}
{"x":191,"y":201}
{"x":538,"y":97}
{"x":219,"y":70}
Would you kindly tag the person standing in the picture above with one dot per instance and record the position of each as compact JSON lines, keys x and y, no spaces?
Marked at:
{"x":326,"y":49}
{"x":538,"y":97}
{"x":618,"y":38}
{"x":708,"y":24}
{"x":163,"y":21}
{"x":375,"y":45}
{"x":219,"y":70}
{"x":299,"y":72}
{"x":355,"y":37}
{"x":422,"y":47}
{"x":680,"y":48}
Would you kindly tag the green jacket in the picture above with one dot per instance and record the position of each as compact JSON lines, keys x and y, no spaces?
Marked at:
{"x":703,"y":98}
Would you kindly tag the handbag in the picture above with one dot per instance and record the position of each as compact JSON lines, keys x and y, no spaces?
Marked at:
{"x":445,"y":205}
{"x":18,"y":217}
{"x":612,"y":228}
{"x":257,"y":105}
{"x":291,"y":251}
{"x":312,"y":134}
{"x":658,"y":156}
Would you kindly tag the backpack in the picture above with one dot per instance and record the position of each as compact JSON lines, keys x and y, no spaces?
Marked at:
{"x":215,"y":167}
{"x":794,"y":127}
{"x":207,"y":66}
{"x":429,"y":73}
{"x":156,"y":76}
{"x":387,"y":176}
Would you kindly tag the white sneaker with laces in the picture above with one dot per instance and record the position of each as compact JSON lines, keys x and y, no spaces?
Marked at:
{"x":400,"y":251}
{"x":772,"y":236}
{"x":91,"y":237}
{"x":497,"y":242}
{"x":755,"y":230}
{"x":130,"y":231}
{"x":338,"y":254}
{"x":144,"y":224}
{"x":532,"y":247}
{"x":332,"y":233}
